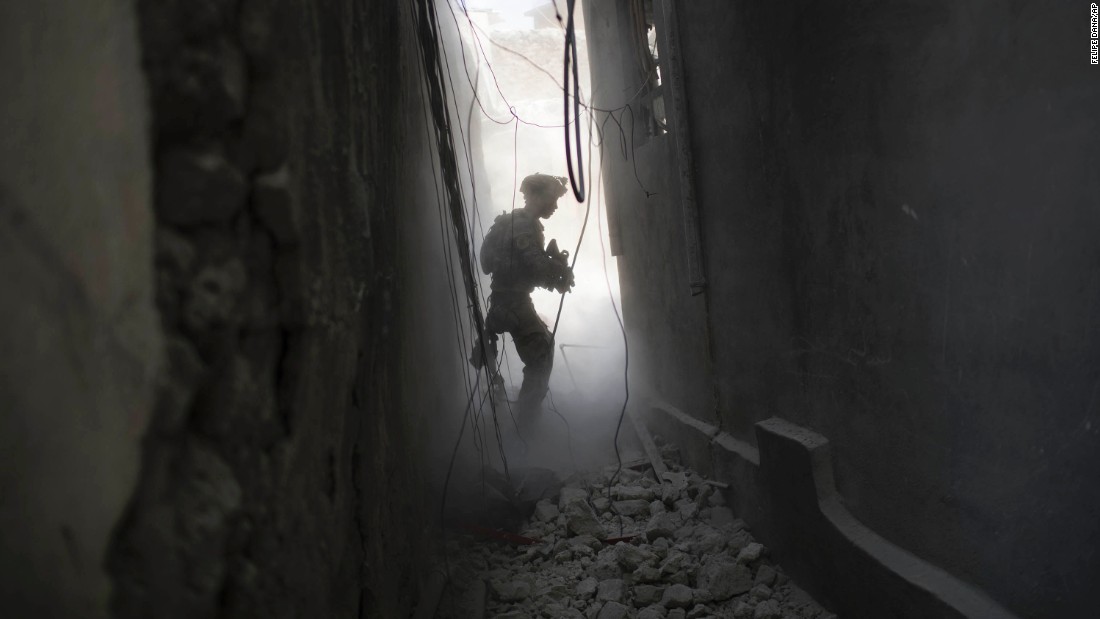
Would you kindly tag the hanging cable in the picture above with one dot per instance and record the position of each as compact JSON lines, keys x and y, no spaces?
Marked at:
{"x":626,"y":344}
{"x":580,"y":237}
{"x":575,"y":180}
{"x":435,"y":85}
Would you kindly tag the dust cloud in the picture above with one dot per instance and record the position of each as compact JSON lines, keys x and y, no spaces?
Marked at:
{"x":513,"y":52}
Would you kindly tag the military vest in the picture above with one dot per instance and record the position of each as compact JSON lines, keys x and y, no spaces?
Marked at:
{"x":501,"y":251}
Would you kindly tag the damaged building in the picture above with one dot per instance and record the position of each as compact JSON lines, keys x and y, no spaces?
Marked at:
{"x":857,"y":277}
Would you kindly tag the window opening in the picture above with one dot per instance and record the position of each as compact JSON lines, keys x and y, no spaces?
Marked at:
{"x":649,"y":59}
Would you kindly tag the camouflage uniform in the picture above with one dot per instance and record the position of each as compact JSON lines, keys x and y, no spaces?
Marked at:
{"x":519,"y":264}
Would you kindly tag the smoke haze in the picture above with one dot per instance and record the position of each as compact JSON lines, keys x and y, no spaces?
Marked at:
{"x":506,"y":42}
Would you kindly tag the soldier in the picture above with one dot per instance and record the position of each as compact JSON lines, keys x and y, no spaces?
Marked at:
{"x":515,"y":254}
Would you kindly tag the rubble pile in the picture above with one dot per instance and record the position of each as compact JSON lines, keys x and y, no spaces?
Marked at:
{"x":685,"y":556}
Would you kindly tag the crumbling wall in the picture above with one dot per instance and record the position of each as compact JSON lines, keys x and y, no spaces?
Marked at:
{"x":227,"y":344}
{"x":282,"y":472}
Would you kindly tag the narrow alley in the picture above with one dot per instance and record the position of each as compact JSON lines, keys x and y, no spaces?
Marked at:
{"x":600,"y":309}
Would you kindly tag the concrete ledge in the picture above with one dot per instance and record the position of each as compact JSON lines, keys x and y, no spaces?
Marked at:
{"x":785,"y":491}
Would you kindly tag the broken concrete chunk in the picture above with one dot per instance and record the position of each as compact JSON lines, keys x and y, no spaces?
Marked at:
{"x":661,"y":546}
{"x":750,"y":553}
{"x":613,"y":610}
{"x":743,"y":610}
{"x":645,"y":595}
{"x":584,"y":545}
{"x":760,"y":592}
{"x":701,"y":596}
{"x":687,"y":509}
{"x":587,"y":588}
{"x":560,"y":592}
{"x":660,"y":525}
{"x":709,"y":541}
{"x":581,"y":520}
{"x":765,"y":575}
{"x":674,"y":562}
{"x":552,"y":609}
{"x":676,"y":480}
{"x":571,"y":495}
{"x":702,"y":493}
{"x":767,"y":610}
{"x":738,"y":541}
{"x":683,"y":533}
{"x":629,"y":493}
{"x":545,"y":511}
{"x":511,"y":591}
{"x":677,"y":596}
{"x":610,"y":590}
{"x":540,"y":552}
{"x":634,"y":507}
{"x":652,"y":612}
{"x":647,"y":573}
{"x":606,"y":566}
{"x":631,"y":557}
{"x":724,"y":578}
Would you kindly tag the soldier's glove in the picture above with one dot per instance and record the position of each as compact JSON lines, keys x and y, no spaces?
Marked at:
{"x":569,"y":280}
{"x":562,"y":277}
{"x":564,"y":280}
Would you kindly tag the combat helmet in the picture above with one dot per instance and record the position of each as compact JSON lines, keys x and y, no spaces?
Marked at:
{"x":544,"y":184}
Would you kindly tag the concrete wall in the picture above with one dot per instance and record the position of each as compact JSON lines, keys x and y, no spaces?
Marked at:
{"x":897,"y":203}
{"x":642,"y":191}
{"x":226,"y":290}
{"x":78,"y":325}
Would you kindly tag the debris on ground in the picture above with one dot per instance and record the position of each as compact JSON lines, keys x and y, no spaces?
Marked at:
{"x":625,"y":545}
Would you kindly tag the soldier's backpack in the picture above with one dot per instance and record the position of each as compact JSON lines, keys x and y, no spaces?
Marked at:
{"x":496,"y":245}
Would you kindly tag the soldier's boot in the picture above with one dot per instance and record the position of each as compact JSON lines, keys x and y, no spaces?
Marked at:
{"x":500,"y":393}
{"x":478,"y":358}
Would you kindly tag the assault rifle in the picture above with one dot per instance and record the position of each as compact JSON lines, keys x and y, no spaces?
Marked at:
{"x":564,"y":279}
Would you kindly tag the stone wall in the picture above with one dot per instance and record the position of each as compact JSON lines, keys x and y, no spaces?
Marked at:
{"x":228,"y":293}
{"x":283,"y":474}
